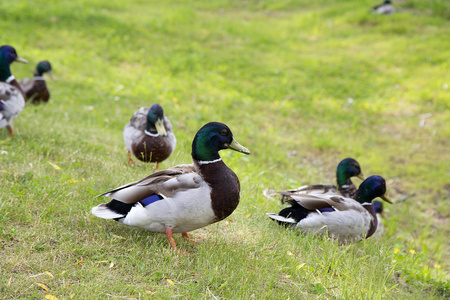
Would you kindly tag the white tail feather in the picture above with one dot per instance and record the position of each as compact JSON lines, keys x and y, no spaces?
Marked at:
{"x":280,"y":218}
{"x":104,"y":212}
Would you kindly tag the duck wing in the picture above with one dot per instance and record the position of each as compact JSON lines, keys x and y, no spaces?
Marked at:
{"x":165,"y":183}
{"x":317,"y":202}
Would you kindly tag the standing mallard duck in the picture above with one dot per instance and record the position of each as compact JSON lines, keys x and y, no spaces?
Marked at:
{"x":343,"y":218}
{"x":385,"y":8}
{"x":346,"y":169}
{"x":182,"y":198}
{"x":11,"y":95}
{"x":149,"y":135}
{"x":35,"y":88}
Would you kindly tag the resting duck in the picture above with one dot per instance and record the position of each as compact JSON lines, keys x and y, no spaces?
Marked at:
{"x":344,"y":218}
{"x":182,"y":198}
{"x":149,"y":135}
{"x":35,"y":88}
{"x":379,"y":210}
{"x":386,"y":8}
{"x":346,"y":169}
{"x":11,"y":95}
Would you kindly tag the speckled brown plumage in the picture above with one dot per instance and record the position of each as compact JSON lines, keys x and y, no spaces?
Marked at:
{"x":348,"y":191}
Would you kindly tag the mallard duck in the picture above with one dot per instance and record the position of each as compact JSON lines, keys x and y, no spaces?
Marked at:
{"x":35,"y":88}
{"x":149,"y":135}
{"x":344,"y":218}
{"x":11,"y":95}
{"x":182,"y":198}
{"x":385,"y":8}
{"x":379,"y":210}
{"x":346,"y":169}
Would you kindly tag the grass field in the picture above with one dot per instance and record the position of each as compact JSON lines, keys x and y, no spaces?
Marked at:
{"x":302,"y":84}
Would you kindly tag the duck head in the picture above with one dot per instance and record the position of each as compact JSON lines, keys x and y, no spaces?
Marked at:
{"x":44,"y":67}
{"x":378,"y":207}
{"x":155,"y":120}
{"x":8,"y":55}
{"x":346,"y":169}
{"x":212,"y":138}
{"x":371,"y":188}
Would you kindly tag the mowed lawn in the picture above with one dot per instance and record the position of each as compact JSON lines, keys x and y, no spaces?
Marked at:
{"x":302,"y":84}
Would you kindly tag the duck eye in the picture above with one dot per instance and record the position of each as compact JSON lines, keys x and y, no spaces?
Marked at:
{"x":223,"y":132}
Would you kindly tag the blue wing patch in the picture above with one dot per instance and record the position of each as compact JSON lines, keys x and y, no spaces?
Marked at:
{"x":327,"y":209}
{"x":149,"y":200}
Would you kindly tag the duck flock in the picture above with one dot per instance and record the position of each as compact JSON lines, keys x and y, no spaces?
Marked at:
{"x":190,"y":196}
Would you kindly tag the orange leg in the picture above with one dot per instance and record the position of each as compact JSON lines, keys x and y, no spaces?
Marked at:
{"x":186,"y":235}
{"x":10,"y":130}
{"x":157,"y":166}
{"x":130,"y":160}
{"x":170,"y":238}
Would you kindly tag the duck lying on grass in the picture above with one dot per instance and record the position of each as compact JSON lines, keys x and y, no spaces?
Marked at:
{"x":149,"y":135}
{"x":182,"y":198}
{"x":35,"y":88}
{"x":343,"y":218}
{"x":11,"y":95}
{"x":346,"y":169}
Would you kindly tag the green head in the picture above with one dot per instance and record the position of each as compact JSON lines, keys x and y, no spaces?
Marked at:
{"x":155,"y":120}
{"x":8,"y":55}
{"x":371,"y":188}
{"x":212,"y":138}
{"x":43,"y":67}
{"x":346,"y":169}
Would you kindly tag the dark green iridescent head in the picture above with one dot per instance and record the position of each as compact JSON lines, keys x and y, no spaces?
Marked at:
{"x":43,"y":67}
{"x":371,"y":188}
{"x":346,"y":169}
{"x":8,"y":55}
{"x":155,"y":120}
{"x":212,"y":138}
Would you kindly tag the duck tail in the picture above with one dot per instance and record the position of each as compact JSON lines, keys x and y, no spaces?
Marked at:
{"x":105,"y":212}
{"x":281,"y":219}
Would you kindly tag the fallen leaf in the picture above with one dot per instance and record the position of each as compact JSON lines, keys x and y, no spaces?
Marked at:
{"x":300,"y":266}
{"x":54,"y":165}
{"x":170,"y":281}
{"x":43,"y":286}
{"x":50,"y":297}
{"x":49,"y":274}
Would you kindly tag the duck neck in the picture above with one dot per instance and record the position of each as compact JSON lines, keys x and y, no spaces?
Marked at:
{"x":342,"y":179}
{"x":5,"y":73}
{"x":373,"y":221}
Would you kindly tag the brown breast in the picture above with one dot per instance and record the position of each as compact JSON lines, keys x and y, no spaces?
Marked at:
{"x":225,"y":188}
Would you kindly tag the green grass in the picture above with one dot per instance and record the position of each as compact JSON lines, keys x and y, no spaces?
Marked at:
{"x":302,"y":84}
